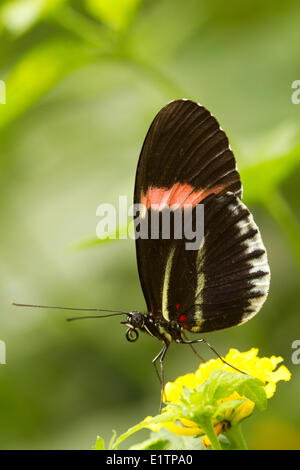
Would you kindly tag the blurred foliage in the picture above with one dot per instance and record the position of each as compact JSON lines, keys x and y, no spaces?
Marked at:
{"x":116,"y":15}
{"x":83,"y":81}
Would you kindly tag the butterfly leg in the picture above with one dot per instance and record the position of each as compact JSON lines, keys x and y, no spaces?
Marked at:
{"x":202,"y":340}
{"x":161,"y":376}
{"x":197,"y":354}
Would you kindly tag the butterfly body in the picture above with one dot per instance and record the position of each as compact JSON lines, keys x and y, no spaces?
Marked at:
{"x":157,"y":327}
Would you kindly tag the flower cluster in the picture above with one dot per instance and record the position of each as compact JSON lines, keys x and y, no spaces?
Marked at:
{"x":230,"y":409}
{"x":214,"y":400}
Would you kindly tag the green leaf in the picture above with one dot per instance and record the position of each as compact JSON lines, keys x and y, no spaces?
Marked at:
{"x":270,"y":163}
{"x":37,"y":72}
{"x":117,"y":14}
{"x":99,"y":444}
{"x":282,"y":213}
{"x":202,"y":405}
{"x":224,"y":383}
{"x":94,"y":241}
{"x":112,"y":440}
{"x":165,"y":439}
{"x":153,"y":443}
{"x":163,"y":417}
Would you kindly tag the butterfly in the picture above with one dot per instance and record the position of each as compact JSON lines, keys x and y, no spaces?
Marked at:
{"x":186,"y":161}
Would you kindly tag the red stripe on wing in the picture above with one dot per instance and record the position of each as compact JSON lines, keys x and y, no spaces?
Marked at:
{"x":177,"y":196}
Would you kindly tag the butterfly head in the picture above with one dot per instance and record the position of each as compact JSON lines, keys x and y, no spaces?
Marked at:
{"x":134,"y":322}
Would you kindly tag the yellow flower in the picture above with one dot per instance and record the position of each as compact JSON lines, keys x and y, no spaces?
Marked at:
{"x":248,"y":362}
{"x":262,"y":368}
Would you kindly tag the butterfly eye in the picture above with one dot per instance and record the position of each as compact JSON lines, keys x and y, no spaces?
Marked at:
{"x":132,"y":335}
{"x":136,"y":319}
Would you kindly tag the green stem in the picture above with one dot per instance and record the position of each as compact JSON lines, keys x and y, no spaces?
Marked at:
{"x":164,"y":417}
{"x":158,"y":76}
{"x":126,"y":434}
{"x":211,"y":434}
{"x":236,"y":437}
{"x":280,"y":210}
{"x":86,"y":29}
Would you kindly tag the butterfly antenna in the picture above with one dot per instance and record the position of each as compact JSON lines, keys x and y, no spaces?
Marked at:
{"x":112,"y":312}
{"x":96,"y":316}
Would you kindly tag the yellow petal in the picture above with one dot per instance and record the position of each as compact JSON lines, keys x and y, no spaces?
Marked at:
{"x":188,"y":423}
{"x":174,"y":390}
{"x":270,"y":389}
{"x":243,"y":411}
{"x":191,"y":430}
{"x":182,"y":430}
{"x":280,"y":374}
{"x":276,"y":360}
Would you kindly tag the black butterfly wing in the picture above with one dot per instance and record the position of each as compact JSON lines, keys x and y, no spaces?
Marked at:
{"x":186,"y":158}
{"x":229,"y":274}
{"x":185,"y":144}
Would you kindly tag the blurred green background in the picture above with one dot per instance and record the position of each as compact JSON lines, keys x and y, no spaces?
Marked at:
{"x":83,"y":80}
